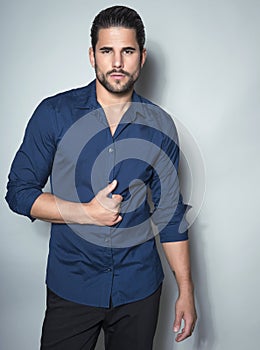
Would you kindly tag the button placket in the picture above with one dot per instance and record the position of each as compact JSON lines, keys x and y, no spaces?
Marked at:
{"x":110,"y":174}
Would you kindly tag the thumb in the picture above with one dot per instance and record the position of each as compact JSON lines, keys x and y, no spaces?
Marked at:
{"x":177,"y":322}
{"x":110,"y":187}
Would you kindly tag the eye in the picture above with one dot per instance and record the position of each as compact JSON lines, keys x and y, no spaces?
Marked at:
{"x":128,"y":52}
{"x":105,"y":51}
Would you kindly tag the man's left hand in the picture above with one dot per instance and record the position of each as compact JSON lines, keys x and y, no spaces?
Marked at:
{"x":184,"y":310}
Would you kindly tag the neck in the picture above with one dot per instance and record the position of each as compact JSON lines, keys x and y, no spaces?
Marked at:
{"x":108,"y":99}
{"x":114,"y":105}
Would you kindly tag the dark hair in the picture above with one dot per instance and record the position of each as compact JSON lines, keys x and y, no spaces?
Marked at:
{"x":118,"y":16}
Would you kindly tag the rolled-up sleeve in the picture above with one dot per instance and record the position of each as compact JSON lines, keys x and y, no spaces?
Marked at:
{"x":32,"y":164}
{"x":169,"y":209}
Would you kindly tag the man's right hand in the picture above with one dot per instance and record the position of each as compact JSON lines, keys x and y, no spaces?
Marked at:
{"x":104,"y":210}
{"x":101,"y":210}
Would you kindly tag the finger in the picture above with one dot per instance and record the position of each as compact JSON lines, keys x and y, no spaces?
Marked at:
{"x":117,"y":197}
{"x":186,"y":331}
{"x":118,"y":219}
{"x":182,"y":336}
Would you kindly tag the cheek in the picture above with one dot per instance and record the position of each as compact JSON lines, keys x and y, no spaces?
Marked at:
{"x":136,"y":69}
{"x":104,"y":65}
{"x":130,"y":65}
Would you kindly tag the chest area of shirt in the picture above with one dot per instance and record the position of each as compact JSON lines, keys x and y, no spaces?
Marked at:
{"x":90,"y":157}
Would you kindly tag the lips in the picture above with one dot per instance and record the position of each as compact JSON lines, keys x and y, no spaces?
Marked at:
{"x":117,"y":75}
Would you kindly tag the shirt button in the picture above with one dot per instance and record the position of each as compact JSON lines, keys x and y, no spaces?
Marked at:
{"x":108,"y":269}
{"x":110,"y":150}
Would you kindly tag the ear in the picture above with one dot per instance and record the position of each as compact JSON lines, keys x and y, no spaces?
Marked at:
{"x":143,"y":57}
{"x":91,"y":56}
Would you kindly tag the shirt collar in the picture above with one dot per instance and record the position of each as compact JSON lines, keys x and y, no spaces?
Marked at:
{"x":88,"y":100}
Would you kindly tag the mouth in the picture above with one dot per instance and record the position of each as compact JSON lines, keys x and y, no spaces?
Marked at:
{"x":117,"y":76}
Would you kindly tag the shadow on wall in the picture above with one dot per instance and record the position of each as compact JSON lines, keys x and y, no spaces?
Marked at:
{"x":204,"y":336}
{"x":151,"y":85}
{"x":152,"y":79}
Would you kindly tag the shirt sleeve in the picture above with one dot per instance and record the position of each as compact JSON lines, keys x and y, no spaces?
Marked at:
{"x":169,"y":209}
{"x":32,"y":164}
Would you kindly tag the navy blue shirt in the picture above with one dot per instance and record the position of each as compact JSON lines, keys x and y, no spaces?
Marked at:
{"x":68,"y":139}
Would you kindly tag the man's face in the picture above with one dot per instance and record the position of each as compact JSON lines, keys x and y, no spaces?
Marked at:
{"x":117,"y":59}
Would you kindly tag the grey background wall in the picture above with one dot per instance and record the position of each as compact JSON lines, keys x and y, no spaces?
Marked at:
{"x":203,"y":67}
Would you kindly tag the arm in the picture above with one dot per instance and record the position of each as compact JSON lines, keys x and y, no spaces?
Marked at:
{"x":31,"y":168}
{"x":101,"y":210}
{"x":177,"y":254}
{"x":173,"y":229}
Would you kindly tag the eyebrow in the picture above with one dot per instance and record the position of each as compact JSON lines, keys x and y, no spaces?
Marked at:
{"x":129,"y":48}
{"x":111,"y":48}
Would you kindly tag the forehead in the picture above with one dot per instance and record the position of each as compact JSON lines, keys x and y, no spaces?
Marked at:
{"x":117,"y":36}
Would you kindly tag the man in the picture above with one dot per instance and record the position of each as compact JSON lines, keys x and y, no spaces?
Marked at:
{"x":103,"y":267}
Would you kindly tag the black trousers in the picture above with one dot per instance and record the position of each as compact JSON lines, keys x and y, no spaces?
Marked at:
{"x":71,"y":326}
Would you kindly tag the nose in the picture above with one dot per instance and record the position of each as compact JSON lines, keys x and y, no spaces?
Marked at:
{"x":117,"y":60}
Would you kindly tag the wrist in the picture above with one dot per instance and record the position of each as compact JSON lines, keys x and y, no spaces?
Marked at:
{"x":186,"y":288}
{"x":85,"y":217}
{"x":74,"y":213}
